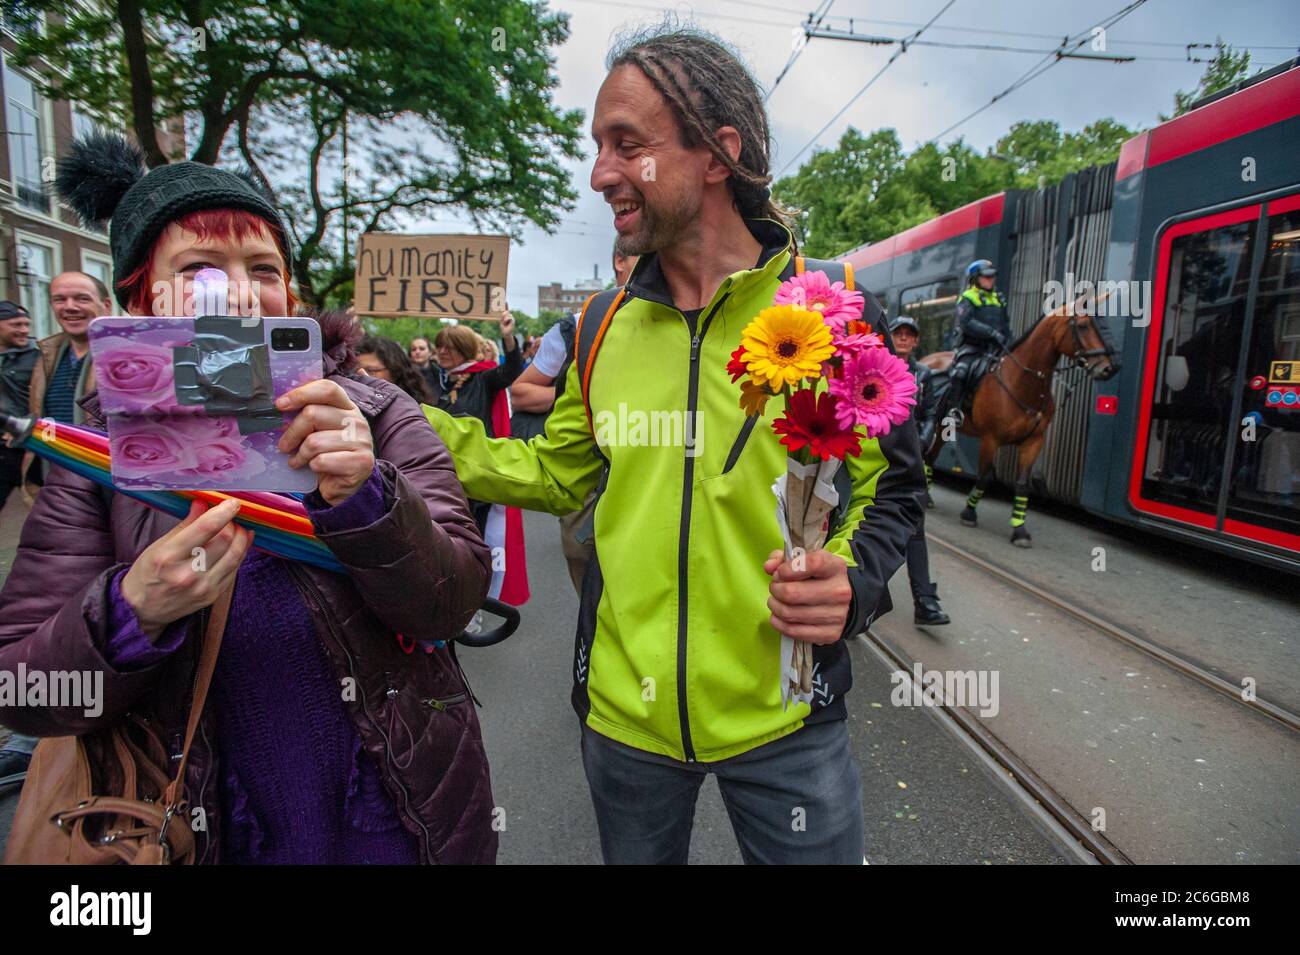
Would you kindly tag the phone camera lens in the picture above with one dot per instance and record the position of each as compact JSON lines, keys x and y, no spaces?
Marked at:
{"x":289,"y":339}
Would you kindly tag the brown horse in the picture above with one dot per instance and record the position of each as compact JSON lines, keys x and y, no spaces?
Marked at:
{"x":1013,"y":402}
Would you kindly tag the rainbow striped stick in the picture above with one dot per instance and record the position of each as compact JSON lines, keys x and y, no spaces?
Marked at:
{"x":279,"y":522}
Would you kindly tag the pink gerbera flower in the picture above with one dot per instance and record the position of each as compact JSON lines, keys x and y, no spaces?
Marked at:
{"x":848,"y":345}
{"x":814,"y":291}
{"x":876,"y":390}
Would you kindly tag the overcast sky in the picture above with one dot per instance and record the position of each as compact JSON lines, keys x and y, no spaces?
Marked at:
{"x":926,"y":90}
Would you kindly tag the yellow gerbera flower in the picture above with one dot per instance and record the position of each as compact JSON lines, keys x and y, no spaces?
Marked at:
{"x":785,"y":344}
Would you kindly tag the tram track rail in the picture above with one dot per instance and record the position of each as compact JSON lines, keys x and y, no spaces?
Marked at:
{"x":1037,"y":795}
{"x":1122,"y":635}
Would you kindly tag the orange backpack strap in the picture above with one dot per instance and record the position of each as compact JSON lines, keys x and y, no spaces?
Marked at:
{"x":589,"y":335}
{"x":835,"y":271}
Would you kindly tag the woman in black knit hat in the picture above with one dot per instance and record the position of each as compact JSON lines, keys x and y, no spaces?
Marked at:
{"x":319,"y":743}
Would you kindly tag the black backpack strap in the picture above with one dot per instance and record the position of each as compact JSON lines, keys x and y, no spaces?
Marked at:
{"x":597,"y":312}
{"x":568,"y":333}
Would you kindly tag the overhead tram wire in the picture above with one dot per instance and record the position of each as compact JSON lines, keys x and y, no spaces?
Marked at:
{"x":813,"y":22}
{"x":1036,"y":36}
{"x":660,"y":8}
{"x":1045,"y":64}
{"x":902,"y":48}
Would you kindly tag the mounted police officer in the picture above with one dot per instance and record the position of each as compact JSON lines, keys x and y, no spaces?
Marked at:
{"x":983,"y":328}
{"x":925,"y":595}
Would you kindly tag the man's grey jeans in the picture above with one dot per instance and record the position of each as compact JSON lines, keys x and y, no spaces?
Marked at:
{"x":797,"y":800}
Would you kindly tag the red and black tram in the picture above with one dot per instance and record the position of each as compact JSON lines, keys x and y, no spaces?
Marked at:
{"x":1194,"y":236}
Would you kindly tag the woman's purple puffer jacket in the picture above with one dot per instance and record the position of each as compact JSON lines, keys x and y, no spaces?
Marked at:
{"x":421,"y":571}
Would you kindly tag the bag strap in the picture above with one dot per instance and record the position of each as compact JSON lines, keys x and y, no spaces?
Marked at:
{"x":219,"y":613}
{"x":569,"y":335}
{"x":589,"y":335}
{"x":835,"y":271}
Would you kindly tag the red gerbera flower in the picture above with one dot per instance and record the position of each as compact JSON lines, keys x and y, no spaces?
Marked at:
{"x":736,"y":367}
{"x":810,"y":422}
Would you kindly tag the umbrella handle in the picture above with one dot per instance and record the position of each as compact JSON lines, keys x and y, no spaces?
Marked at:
{"x":508,"y":625}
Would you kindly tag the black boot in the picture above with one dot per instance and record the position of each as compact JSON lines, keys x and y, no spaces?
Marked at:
{"x":928,"y":613}
{"x":953,"y":399}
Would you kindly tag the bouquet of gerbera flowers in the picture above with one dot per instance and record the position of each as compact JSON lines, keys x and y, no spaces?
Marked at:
{"x":814,"y":332}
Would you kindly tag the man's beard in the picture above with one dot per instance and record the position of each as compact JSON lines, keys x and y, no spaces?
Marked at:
{"x":660,"y":228}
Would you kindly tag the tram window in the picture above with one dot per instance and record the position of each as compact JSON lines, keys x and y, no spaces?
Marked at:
{"x":1205,"y":304}
{"x":933,"y":307}
{"x":1264,"y":489}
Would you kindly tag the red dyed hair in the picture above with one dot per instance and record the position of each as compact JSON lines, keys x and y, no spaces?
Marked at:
{"x":234,"y":225}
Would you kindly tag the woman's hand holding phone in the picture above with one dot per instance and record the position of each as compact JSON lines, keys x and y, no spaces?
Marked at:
{"x":187,"y":568}
{"x":330,"y":435}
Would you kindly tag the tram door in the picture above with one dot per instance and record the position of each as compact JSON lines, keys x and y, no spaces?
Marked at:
{"x":1219,"y":431}
{"x":1263,"y":491}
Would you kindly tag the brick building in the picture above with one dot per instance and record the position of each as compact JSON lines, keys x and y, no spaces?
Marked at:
{"x":39,"y":236}
{"x":558,"y":298}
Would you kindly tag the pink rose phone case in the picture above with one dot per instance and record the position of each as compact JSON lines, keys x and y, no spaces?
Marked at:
{"x":190,"y":401}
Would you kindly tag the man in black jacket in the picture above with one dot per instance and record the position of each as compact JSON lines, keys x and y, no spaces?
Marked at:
{"x":925,"y":595}
{"x":18,"y":356}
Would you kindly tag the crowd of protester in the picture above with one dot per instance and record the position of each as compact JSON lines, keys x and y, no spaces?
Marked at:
{"x":417,"y":499}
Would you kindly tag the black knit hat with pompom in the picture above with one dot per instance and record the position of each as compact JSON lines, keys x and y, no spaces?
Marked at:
{"x":103,"y":177}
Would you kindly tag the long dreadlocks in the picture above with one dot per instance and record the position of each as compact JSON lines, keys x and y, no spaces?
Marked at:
{"x":707,"y":87}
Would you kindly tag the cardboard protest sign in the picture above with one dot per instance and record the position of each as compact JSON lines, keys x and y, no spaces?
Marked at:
{"x":431,"y":276}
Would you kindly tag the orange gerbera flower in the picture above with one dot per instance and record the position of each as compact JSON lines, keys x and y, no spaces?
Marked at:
{"x":753,"y":397}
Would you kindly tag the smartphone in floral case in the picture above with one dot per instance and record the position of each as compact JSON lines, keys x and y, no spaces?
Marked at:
{"x":190,"y":401}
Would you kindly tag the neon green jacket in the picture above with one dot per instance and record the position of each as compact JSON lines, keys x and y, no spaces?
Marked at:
{"x":674,"y":652}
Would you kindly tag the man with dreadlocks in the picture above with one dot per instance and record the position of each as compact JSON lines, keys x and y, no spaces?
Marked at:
{"x":676,"y":664}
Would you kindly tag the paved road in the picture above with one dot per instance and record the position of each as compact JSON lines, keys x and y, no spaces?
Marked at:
{"x":1184,"y":774}
{"x":1234,"y":618}
{"x":926,"y":799}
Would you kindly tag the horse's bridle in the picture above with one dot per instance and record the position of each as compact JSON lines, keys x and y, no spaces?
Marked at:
{"x":1083,"y":355}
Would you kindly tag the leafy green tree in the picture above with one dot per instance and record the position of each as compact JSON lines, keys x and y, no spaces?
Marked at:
{"x":1028,"y":145}
{"x":825,"y":185}
{"x":1225,"y":68}
{"x":402,"y":329}
{"x":866,"y":189}
{"x":450,"y":102}
{"x":1040,"y":154}
{"x":525,"y":324}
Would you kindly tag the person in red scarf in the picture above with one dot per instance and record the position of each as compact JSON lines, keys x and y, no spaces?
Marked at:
{"x":480,"y":389}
